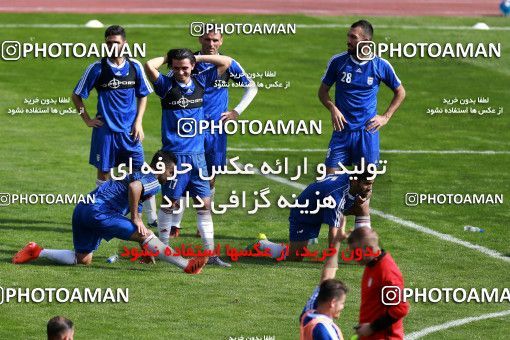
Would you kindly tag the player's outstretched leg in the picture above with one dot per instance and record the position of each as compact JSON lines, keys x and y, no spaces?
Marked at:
{"x":33,"y":251}
{"x":192,"y":266}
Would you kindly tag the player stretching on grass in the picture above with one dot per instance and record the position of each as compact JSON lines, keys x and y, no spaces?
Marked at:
{"x":351,"y":197}
{"x":181,"y":102}
{"x":354,"y":112}
{"x":105,"y":219}
{"x":117,"y":133}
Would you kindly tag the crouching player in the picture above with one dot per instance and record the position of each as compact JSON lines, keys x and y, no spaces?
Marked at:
{"x":351,"y":198}
{"x":105,"y":219}
{"x":326,"y":303}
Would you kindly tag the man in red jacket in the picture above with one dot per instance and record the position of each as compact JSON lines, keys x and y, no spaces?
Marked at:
{"x":381,"y":310}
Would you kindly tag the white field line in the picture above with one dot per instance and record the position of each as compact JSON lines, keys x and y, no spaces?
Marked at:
{"x":405,"y":223}
{"x":454,"y":323}
{"x":305,"y":26}
{"x":426,"y":152}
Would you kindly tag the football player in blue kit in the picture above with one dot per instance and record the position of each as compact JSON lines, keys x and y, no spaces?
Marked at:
{"x":216,"y":109}
{"x":357,"y":76}
{"x":105,"y":219}
{"x":350,"y":197}
{"x":122,"y":90}
{"x":182,"y":97}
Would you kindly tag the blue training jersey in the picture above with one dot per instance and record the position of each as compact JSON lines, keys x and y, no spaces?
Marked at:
{"x":357,"y":84}
{"x":336,"y":186}
{"x":113,"y":196}
{"x":182,"y":107}
{"x":216,"y":97}
{"x":118,"y":89}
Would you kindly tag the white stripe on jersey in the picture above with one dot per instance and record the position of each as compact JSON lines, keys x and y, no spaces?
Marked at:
{"x":387,"y":62}
{"x":151,"y":185}
{"x":145,"y":80}
{"x":331,"y":60}
{"x":331,"y":330}
{"x":340,"y":206}
{"x":84,"y":78}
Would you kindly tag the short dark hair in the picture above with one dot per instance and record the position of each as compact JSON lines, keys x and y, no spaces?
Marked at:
{"x":180,"y":54}
{"x":115,"y":30}
{"x":331,"y":289}
{"x":366,"y":26}
{"x":58,"y":325}
{"x":166,"y":157}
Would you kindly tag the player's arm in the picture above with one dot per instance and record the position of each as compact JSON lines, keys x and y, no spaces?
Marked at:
{"x":250,"y":91}
{"x":82,"y":91}
{"x":221,"y":62}
{"x":380,"y":120}
{"x":135,"y":191}
{"x":80,"y":107}
{"x":393,"y":313}
{"x":152,"y":66}
{"x":137,"y":131}
{"x":331,"y":264}
{"x":337,"y":118}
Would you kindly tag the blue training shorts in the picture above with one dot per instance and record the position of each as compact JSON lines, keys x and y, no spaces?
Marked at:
{"x":348,"y":147}
{"x":91,"y":226}
{"x":108,"y":149}
{"x":189,"y":181}
{"x":215,"y":150}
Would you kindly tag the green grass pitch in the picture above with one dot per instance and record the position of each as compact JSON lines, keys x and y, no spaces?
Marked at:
{"x":49,"y":154}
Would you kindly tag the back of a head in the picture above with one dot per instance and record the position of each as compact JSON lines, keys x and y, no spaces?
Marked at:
{"x":59,"y":328}
{"x":363,"y":235}
{"x":331,"y":289}
{"x":163,"y":156}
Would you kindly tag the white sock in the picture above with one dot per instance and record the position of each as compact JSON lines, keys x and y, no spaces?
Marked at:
{"x":99,"y":182}
{"x":176,"y":222}
{"x":62,"y":256}
{"x":149,"y":207}
{"x":362,"y":221}
{"x":154,"y":244}
{"x":213,"y":191}
{"x":206,"y":228}
{"x":164,"y":225}
{"x":276,"y":249}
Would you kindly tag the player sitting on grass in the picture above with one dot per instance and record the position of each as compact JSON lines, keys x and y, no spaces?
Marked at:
{"x":326,"y":303}
{"x":351,"y":198}
{"x":105,"y":219}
